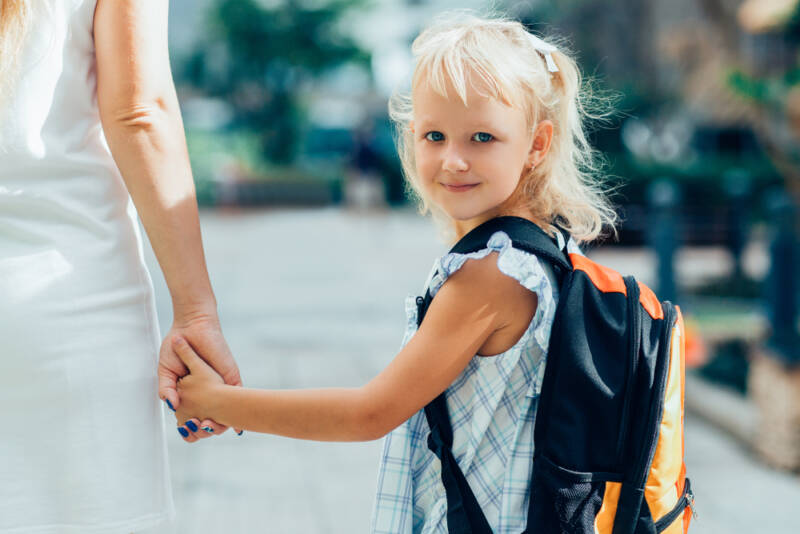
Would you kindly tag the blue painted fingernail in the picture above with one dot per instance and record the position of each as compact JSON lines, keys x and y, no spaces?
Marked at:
{"x":183,"y":432}
{"x":208,"y":429}
{"x":169,"y":404}
{"x":191,"y":426}
{"x":239,"y":433}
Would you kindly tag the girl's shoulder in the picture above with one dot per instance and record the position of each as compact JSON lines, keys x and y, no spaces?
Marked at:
{"x":501,"y":281}
{"x":499,"y":263}
{"x":488,"y":280}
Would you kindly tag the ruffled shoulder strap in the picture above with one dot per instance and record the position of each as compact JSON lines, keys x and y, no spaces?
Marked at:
{"x":526,"y":268}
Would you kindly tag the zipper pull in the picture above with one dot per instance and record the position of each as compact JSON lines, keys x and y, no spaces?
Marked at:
{"x":690,"y":499}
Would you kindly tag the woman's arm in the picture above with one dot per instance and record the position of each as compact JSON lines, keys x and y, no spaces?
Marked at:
{"x":476,"y":306}
{"x":142,"y":123}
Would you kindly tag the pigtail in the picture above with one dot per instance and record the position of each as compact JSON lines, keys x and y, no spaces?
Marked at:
{"x":566,"y":187}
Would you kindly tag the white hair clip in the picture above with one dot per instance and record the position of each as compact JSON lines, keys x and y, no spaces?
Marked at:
{"x":546,"y":50}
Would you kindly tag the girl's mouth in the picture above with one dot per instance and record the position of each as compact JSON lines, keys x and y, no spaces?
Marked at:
{"x":458,"y":188}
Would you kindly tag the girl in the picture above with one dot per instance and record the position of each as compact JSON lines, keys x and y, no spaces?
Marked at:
{"x":493,"y":127}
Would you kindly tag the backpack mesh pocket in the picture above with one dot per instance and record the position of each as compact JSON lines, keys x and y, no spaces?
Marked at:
{"x":565,"y":501}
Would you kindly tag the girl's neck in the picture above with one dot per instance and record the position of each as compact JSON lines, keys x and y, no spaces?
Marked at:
{"x":463,"y":227}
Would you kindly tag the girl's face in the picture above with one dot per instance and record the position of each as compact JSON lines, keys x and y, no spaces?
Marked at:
{"x":470,"y":159}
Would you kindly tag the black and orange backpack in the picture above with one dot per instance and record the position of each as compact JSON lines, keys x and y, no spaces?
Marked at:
{"x":609,"y":425}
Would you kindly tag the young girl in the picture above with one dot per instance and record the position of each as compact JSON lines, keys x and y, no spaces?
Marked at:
{"x":493,"y":127}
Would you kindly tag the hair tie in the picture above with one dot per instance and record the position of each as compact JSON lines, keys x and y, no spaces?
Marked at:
{"x":546,"y":50}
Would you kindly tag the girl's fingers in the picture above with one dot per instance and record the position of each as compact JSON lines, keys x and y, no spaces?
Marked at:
{"x":187,"y":355}
{"x":186,"y":434}
{"x":210,"y":428}
{"x":192,"y":427}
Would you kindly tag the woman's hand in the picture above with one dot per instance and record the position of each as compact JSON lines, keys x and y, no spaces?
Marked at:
{"x":204,"y":333}
{"x":196,"y":389}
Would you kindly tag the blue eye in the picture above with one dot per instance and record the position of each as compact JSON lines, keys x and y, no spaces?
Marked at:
{"x":434,"y":136}
{"x":482,"y":137}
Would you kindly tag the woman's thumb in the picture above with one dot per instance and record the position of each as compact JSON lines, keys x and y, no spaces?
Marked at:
{"x":185,"y":352}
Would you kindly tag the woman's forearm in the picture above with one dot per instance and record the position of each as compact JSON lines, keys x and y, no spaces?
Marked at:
{"x":142,"y":123}
{"x":336,"y":414}
{"x":149,"y":147}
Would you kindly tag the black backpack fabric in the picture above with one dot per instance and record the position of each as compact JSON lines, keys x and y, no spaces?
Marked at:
{"x":609,"y":425}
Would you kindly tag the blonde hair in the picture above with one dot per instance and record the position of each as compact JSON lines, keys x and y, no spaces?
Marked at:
{"x":499,"y":59}
{"x":13,"y":25}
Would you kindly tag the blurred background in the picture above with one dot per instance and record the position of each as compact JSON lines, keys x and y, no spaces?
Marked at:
{"x":313,"y":245}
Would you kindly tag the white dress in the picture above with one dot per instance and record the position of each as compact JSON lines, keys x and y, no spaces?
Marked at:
{"x":82,"y":447}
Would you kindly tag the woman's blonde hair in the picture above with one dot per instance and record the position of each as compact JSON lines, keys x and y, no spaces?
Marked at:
{"x":13,"y":25}
{"x":501,"y":60}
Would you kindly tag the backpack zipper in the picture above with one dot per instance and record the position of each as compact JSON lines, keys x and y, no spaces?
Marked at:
{"x":686,"y":499}
{"x":690,"y":499}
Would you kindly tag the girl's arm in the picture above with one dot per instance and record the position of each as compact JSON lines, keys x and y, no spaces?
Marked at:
{"x":142,"y":123}
{"x":477,"y":306}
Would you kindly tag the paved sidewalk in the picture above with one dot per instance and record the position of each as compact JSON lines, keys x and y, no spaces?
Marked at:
{"x":314,"y":298}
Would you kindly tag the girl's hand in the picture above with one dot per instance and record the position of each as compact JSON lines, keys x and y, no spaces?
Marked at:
{"x":203,"y":332}
{"x":196,"y":391}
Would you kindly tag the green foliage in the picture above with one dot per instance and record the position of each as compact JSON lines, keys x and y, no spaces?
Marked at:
{"x":762,"y":90}
{"x":748,"y":86}
{"x":211,"y":151}
{"x":306,"y":37}
{"x":258,"y":55}
{"x":218,"y":156}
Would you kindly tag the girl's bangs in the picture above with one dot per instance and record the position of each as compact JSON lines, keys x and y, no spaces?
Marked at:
{"x":461,"y":72}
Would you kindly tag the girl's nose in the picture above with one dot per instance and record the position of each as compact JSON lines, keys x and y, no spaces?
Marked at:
{"x":453,"y":161}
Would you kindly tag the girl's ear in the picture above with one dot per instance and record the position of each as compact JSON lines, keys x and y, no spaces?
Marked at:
{"x":411,"y":126}
{"x":540,"y":144}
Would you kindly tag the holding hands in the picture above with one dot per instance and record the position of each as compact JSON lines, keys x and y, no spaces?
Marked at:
{"x":204,"y":333}
{"x":197,"y":389}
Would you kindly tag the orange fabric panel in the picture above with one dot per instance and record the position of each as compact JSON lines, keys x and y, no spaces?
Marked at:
{"x":687,"y":518}
{"x":661,"y":491}
{"x":604,"y":522}
{"x":650,"y":302}
{"x":605,"y":279}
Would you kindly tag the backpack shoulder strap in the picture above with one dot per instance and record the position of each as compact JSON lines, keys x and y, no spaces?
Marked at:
{"x":464,"y":515}
{"x":524,"y":235}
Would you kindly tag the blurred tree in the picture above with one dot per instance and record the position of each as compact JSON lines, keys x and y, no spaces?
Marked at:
{"x":671,"y":62}
{"x":258,"y":55}
{"x":613,"y":41}
{"x":767,"y":75}
{"x":738,"y":64}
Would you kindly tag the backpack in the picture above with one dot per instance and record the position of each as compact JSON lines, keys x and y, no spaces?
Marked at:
{"x":608,"y":432}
